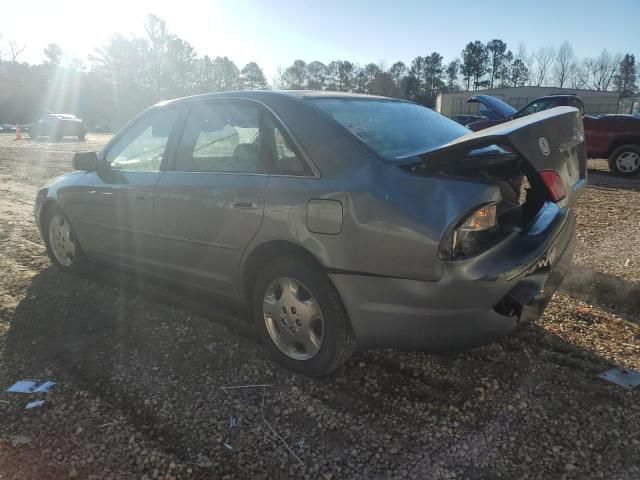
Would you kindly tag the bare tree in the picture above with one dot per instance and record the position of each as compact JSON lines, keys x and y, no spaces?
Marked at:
{"x":602,"y":69}
{"x":564,"y":64}
{"x":543,"y":59}
{"x":527,"y":63}
{"x":16,"y":50}
{"x":579,"y":77}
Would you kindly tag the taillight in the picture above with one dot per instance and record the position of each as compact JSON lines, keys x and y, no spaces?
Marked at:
{"x":482,"y":219}
{"x":475,"y":233}
{"x":554,"y":184}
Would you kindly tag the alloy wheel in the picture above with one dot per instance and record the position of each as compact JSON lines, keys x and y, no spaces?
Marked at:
{"x":293,"y":318}
{"x":628,"y":162}
{"x":61,"y":240}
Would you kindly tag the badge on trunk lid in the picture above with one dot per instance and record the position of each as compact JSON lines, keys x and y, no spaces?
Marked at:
{"x":544,"y":146}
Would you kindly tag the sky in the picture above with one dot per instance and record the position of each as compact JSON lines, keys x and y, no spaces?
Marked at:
{"x":274,"y":33}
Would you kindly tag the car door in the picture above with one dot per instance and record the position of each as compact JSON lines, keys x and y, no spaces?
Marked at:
{"x":210,"y":202}
{"x":112,"y":208}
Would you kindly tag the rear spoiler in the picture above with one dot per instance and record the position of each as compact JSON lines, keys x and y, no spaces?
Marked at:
{"x":551,"y":140}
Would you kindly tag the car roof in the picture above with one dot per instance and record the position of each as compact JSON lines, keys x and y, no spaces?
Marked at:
{"x":559,"y":95}
{"x":278,"y":94}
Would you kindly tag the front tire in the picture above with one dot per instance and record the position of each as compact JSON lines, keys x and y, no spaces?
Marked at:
{"x":625,"y":161}
{"x":300,"y":317}
{"x":63,"y":246}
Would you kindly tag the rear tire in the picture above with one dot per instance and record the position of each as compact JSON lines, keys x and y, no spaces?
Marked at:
{"x":63,"y":246}
{"x":310,"y":323}
{"x":625,"y":161}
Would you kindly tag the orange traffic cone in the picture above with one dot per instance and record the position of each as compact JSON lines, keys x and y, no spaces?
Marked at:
{"x":18,"y":132}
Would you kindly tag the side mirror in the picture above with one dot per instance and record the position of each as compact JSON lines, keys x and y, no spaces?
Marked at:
{"x":85,"y":161}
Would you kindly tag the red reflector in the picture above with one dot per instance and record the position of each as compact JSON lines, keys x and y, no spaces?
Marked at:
{"x":554,"y":184}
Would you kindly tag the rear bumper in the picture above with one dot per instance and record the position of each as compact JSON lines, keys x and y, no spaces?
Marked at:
{"x":473,"y":303}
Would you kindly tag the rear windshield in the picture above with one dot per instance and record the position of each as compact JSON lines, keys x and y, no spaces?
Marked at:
{"x":391,"y":128}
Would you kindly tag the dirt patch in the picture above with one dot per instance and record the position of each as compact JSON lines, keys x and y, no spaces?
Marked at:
{"x":140,"y":368}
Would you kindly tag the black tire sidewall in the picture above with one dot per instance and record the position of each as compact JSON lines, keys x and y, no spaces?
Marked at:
{"x":79,"y":264}
{"x":619,"y":151}
{"x":336,"y":325}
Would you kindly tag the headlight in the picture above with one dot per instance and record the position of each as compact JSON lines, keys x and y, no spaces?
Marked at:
{"x":478,"y":231}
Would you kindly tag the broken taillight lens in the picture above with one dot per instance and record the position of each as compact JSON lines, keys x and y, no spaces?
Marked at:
{"x":554,"y":184}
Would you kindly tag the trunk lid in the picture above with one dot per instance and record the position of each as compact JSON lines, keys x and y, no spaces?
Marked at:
{"x":551,"y":143}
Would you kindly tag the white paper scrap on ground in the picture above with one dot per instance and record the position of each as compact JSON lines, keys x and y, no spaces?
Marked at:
{"x":34,"y":404}
{"x":624,"y":377}
{"x":31,"y":386}
{"x":44,"y":387}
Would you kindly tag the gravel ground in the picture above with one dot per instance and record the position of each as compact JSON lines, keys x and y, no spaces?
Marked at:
{"x":609,"y":224}
{"x":140,"y":369}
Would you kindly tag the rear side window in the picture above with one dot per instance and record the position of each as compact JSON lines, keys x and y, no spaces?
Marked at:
{"x":391,"y":128}
{"x":221,"y":137}
{"x":286,"y":158}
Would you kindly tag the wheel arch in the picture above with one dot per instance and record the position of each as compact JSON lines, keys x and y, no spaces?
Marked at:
{"x":48,"y":205}
{"x":267,"y":251}
{"x":620,"y":142}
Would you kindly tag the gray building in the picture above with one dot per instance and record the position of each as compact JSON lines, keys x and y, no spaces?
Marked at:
{"x":595,"y":102}
{"x":630,"y":105}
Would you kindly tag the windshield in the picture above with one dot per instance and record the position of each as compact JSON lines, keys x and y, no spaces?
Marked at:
{"x":391,"y":128}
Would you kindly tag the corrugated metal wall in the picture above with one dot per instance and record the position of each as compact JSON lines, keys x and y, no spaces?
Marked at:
{"x":452,"y":104}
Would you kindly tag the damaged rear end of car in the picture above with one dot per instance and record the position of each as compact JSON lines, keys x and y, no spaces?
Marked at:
{"x":539,"y":164}
{"x":503,"y":254}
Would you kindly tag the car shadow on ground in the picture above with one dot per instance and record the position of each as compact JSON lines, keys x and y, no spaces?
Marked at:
{"x":609,"y":292}
{"x":601,"y":179}
{"x":160,"y":355}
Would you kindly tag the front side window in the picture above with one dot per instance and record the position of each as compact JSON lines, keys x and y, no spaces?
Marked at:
{"x":141,"y":148}
{"x":221,"y":137}
{"x":393,"y":129}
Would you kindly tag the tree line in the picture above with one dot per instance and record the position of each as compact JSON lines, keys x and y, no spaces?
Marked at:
{"x":128,"y":74}
{"x":480,"y":66}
